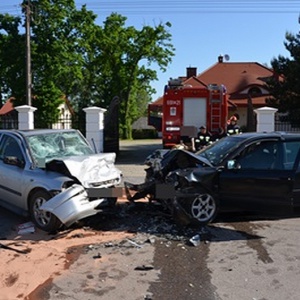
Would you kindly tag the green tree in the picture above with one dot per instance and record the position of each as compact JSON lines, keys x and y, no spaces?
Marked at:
{"x":12,"y":58}
{"x":125,"y":58}
{"x":89,"y":64}
{"x":284,"y":86}
{"x":60,"y":38}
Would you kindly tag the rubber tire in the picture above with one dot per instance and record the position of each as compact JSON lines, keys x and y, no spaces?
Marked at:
{"x":203,"y":207}
{"x":42,"y":219}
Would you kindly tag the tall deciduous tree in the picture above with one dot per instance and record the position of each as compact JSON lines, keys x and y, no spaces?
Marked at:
{"x":60,"y":38}
{"x":72,"y":56}
{"x":12,"y":58}
{"x":285,"y":84}
{"x":125,"y":57}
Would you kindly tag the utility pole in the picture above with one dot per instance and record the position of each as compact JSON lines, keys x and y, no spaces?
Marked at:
{"x":28,"y":55}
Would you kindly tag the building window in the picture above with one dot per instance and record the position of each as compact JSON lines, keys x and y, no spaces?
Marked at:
{"x":255,"y":91}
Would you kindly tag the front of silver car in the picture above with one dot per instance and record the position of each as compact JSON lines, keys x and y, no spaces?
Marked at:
{"x":94,"y":175}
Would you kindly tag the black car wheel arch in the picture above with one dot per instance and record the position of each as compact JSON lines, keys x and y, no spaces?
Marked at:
{"x":202,"y":206}
{"x":42,"y":219}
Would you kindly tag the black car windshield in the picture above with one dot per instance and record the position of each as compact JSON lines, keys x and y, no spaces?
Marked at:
{"x":217,"y":152}
{"x":45,"y":147}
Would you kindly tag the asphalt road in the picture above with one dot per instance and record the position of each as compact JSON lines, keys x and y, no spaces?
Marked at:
{"x":132,"y":156}
{"x":238,"y":257}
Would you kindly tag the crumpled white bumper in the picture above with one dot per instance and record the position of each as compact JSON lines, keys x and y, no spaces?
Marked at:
{"x":72,"y":205}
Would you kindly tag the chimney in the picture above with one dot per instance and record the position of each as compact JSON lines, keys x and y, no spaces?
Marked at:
{"x":220,"y":58}
{"x":190,"y":72}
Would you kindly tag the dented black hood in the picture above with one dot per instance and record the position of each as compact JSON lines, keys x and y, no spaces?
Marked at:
{"x":182,"y":159}
{"x":204,"y":176}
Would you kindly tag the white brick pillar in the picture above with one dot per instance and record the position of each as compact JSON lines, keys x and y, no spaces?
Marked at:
{"x":265,"y":119}
{"x":95,"y":126}
{"x":25,"y":117}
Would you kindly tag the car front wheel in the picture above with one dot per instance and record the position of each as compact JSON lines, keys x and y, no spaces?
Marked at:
{"x":41,"y":218}
{"x":202,"y":207}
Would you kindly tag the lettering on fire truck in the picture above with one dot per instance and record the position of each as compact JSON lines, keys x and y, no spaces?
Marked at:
{"x":173,"y":102}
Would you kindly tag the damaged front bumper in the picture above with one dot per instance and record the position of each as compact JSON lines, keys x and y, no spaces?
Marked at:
{"x":74,"y":203}
{"x":162,"y":192}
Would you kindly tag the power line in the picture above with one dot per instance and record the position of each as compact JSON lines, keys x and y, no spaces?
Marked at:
{"x":175,"y":4}
{"x":168,"y":7}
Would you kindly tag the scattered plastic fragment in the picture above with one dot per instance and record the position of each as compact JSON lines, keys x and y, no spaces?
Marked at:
{"x":134,"y":243}
{"x":144,"y":268}
{"x":195,"y":240}
{"x":26,"y":228}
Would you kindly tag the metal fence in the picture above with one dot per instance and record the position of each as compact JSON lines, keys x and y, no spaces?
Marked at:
{"x":9,"y":121}
{"x":76,"y":121}
{"x":282,"y":124}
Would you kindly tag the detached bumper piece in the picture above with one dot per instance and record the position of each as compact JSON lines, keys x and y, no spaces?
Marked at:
{"x":74,"y":203}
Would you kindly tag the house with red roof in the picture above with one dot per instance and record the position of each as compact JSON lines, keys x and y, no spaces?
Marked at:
{"x":244,"y":82}
{"x":9,"y":116}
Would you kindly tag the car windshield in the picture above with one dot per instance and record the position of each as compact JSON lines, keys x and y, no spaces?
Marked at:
{"x":216,"y":152}
{"x":45,"y":147}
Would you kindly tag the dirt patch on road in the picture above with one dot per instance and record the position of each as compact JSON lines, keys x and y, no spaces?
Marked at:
{"x":104,"y":257}
{"x":44,"y":257}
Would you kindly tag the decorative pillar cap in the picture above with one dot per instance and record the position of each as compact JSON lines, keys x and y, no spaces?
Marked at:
{"x":94,"y":109}
{"x":25,"y":108}
{"x":266,"y":109}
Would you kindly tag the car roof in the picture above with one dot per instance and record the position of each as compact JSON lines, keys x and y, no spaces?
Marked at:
{"x":35,"y":131}
{"x":268,"y":135}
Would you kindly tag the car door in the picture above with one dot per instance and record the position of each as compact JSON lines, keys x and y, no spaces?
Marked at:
{"x":292,"y":159}
{"x":260,"y":180}
{"x":11,"y":175}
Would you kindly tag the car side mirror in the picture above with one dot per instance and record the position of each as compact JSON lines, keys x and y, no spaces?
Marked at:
{"x":233,"y":164}
{"x":14,"y":161}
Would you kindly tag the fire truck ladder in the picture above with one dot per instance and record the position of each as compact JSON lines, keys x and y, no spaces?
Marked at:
{"x":216,"y":112}
{"x":215,"y":100}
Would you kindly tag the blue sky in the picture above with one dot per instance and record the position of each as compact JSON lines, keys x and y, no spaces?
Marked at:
{"x":246,"y":30}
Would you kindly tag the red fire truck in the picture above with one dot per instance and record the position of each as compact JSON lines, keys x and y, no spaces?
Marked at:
{"x":187,"y":108}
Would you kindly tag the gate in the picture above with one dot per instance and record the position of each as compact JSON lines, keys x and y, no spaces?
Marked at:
{"x":111,"y":127}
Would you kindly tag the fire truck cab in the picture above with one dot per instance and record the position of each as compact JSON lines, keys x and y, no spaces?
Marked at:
{"x":191,"y":107}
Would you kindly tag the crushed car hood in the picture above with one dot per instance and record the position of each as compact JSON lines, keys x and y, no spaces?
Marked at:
{"x":182,"y":159}
{"x":205,"y":176}
{"x":97,"y":170}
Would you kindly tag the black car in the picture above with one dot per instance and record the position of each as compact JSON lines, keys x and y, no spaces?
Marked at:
{"x":249,"y":171}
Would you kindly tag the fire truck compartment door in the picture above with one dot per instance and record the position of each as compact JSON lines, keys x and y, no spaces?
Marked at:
{"x":194,"y":112}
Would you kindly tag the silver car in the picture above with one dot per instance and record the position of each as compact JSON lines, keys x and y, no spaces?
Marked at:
{"x":55,"y":176}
